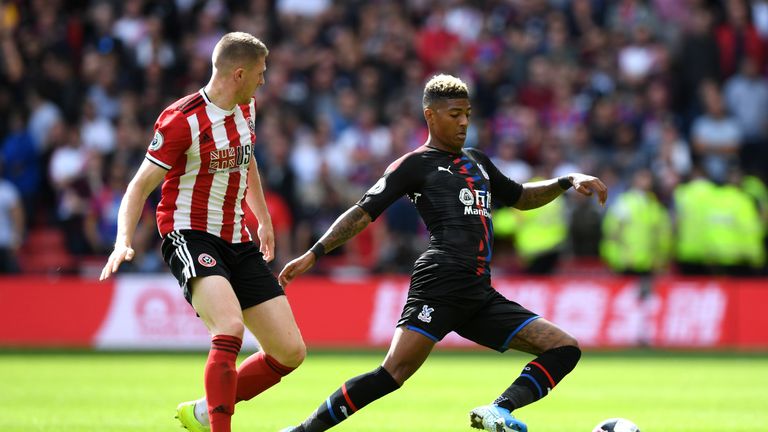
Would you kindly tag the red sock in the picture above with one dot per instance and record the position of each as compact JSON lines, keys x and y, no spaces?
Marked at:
{"x":258,"y":373}
{"x":221,"y":381}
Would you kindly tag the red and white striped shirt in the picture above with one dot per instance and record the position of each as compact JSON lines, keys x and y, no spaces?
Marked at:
{"x":206,"y":151}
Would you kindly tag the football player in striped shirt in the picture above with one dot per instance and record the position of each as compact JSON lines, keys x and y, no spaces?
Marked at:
{"x":202,"y":153}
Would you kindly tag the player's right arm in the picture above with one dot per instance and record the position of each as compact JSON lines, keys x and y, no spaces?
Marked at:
{"x":171,"y":139}
{"x":147,"y":178}
{"x":346,"y":226}
{"x":400,"y":177}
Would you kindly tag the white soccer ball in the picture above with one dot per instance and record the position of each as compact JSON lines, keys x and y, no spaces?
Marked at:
{"x":616,"y":425}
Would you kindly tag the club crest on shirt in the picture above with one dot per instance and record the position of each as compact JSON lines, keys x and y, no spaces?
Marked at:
{"x":157,"y":141}
{"x":206,"y":260}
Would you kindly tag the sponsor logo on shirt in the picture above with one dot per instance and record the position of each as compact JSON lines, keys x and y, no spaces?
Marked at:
{"x":229,"y":159}
{"x":476,"y":203}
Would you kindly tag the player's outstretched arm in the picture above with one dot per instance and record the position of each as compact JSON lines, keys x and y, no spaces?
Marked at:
{"x":537,"y":194}
{"x":346,"y":226}
{"x":144,"y":182}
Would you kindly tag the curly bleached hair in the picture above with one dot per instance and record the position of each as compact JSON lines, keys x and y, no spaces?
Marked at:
{"x":444,"y":87}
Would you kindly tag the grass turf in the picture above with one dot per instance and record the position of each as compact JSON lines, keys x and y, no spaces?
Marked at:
{"x":662,"y":392}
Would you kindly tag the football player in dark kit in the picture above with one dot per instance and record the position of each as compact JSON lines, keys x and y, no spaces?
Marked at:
{"x":450,"y":286}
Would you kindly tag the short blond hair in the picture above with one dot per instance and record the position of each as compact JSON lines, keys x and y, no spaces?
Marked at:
{"x":444,"y":87}
{"x":236,"y":48}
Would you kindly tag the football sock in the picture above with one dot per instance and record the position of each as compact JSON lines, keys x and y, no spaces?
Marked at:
{"x":257,"y":373}
{"x":539,"y":377}
{"x":221,"y":381}
{"x":351,"y":397}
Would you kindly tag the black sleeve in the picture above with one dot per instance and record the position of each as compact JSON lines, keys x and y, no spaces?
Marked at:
{"x":505,"y":190}
{"x":402,"y":176}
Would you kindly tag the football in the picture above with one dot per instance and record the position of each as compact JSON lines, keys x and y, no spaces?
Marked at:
{"x":616,"y":425}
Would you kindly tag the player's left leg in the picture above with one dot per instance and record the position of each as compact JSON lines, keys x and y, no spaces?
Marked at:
{"x":408,"y":351}
{"x":282,"y":347}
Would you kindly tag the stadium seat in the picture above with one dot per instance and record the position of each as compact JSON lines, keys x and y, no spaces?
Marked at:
{"x":45,"y":251}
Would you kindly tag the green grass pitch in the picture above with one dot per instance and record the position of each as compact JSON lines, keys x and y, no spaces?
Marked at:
{"x":129,"y":392}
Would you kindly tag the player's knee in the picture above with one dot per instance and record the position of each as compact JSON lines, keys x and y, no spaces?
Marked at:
{"x":293,"y":354}
{"x":562,"y":339}
{"x":568,"y":340}
{"x":231,"y":327}
{"x":569,"y":356}
{"x":401,"y":371}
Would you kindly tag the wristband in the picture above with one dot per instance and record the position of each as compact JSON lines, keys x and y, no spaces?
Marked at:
{"x":318,"y":249}
{"x":564,"y":182}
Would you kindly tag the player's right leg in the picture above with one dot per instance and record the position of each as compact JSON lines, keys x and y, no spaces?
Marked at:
{"x":198,"y":261}
{"x":504,"y":324}
{"x":215,"y":302}
{"x":408,"y":351}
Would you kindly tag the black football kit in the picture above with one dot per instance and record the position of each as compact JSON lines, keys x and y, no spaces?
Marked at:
{"x":451,"y":282}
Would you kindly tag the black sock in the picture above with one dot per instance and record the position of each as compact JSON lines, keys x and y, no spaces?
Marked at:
{"x":539,"y":377}
{"x":351,"y":397}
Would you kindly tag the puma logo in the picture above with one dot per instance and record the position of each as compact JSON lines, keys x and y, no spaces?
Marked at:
{"x":448,"y":168}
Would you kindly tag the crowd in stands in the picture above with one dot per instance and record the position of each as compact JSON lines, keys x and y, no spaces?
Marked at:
{"x":656,"y":96}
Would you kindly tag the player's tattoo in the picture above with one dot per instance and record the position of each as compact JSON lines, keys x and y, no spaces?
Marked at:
{"x":538,"y":336}
{"x":537,"y":194}
{"x":345,"y":227}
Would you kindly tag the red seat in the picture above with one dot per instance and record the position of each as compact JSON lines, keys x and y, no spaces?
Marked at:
{"x":45,"y":251}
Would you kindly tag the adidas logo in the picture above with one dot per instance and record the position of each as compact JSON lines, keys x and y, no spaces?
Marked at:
{"x":219,"y":409}
{"x":204,"y":137}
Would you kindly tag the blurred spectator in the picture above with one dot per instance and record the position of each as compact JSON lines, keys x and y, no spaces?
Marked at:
{"x":697,"y":60}
{"x":101,"y":217}
{"x":362,"y":145}
{"x":637,"y":233}
{"x":733,"y":230}
{"x":692,"y":202}
{"x":11,"y":225}
{"x":97,"y":132}
{"x":670,"y":161}
{"x":44,"y":114}
{"x":21,"y":161}
{"x":746,"y":96}
{"x":737,"y":38}
{"x":626,"y":15}
{"x":510,"y":164}
{"x":539,"y":234}
{"x":68,"y":166}
{"x":715,"y":135}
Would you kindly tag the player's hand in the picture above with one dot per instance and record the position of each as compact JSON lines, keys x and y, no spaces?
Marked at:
{"x":296,"y":267}
{"x":587,"y":184}
{"x":266,"y":240}
{"x":120,"y":254}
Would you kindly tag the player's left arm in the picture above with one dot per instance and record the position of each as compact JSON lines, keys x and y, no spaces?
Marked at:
{"x":257,"y":203}
{"x":539,"y":193}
